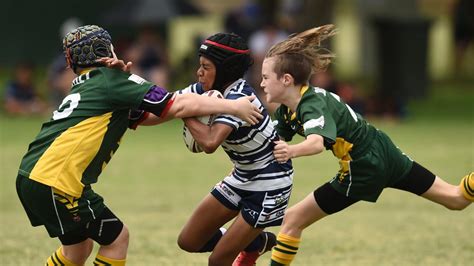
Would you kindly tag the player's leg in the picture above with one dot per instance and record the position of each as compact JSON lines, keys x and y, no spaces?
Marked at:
{"x":322,"y":202}
{"x":448,"y":195}
{"x":422,"y":182}
{"x":52,"y":208}
{"x":201,"y":232}
{"x":71,"y":255}
{"x":112,"y":236}
{"x":260,"y":209}
{"x":239,"y":235}
{"x":263,"y":243}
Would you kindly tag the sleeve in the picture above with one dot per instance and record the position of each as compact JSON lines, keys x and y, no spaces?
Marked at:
{"x":316,"y":119}
{"x":231,"y":120}
{"x":282,"y":128}
{"x":125,"y":90}
{"x":136,"y":117}
{"x":157,"y":101}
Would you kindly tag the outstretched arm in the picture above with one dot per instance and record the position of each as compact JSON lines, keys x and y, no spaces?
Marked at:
{"x":313,"y":144}
{"x":190,"y":104}
{"x":166,"y":106}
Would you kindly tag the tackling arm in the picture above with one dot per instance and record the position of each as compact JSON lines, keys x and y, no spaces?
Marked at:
{"x":191,"y":104}
{"x":166,"y":106}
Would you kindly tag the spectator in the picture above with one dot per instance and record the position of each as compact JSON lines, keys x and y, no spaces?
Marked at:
{"x":149,"y":55}
{"x":259,"y":43}
{"x":20,"y":95}
{"x":59,"y":75}
{"x":244,"y":19}
{"x":347,"y":91}
{"x":463,"y":30}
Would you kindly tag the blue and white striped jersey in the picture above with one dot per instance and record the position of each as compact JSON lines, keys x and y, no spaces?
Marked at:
{"x":193,"y":88}
{"x":250,"y":148}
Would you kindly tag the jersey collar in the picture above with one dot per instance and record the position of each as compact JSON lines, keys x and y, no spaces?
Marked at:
{"x":86,"y":70}
{"x":302,"y":91}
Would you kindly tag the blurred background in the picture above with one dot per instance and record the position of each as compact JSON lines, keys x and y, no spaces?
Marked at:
{"x":390,"y":53}
{"x":407,"y":65}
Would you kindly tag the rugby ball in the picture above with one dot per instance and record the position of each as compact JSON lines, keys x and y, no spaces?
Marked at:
{"x":191,"y":144}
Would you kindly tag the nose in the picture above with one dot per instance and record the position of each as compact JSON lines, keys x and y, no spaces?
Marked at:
{"x":262,"y":84}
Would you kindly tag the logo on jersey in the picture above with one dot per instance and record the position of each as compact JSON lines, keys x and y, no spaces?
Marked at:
{"x":312,"y":123}
{"x":137,"y":79}
{"x":228,"y":193}
{"x":203,"y":46}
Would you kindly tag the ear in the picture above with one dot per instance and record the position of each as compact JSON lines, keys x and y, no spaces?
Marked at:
{"x":287,"y":79}
{"x":68,"y":58}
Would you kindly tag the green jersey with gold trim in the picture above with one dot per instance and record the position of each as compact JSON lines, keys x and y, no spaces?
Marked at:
{"x":72,"y":149}
{"x":323,"y":113}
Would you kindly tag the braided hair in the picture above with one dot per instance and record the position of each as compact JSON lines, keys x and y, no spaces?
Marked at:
{"x":301,"y":54}
{"x":231,"y":56}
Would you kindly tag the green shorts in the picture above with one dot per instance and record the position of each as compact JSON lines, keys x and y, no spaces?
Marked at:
{"x":57,"y":211}
{"x":367,"y":174}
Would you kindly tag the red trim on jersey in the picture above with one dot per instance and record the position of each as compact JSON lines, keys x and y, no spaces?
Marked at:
{"x":227,"y":47}
{"x":142,"y":118}
{"x":168,"y":106}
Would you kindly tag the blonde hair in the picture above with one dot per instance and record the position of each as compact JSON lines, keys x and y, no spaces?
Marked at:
{"x":301,"y":54}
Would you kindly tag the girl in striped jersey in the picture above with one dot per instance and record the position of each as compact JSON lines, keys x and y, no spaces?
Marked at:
{"x":256,"y":192}
{"x":369,"y":160}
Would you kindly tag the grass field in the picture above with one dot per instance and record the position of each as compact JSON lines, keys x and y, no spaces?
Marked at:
{"x":153,"y":183}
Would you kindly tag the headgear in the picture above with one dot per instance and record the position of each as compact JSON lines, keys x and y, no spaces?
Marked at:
{"x":84,"y":45}
{"x":231,"y":56}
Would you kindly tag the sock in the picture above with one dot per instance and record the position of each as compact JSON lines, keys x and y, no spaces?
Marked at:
{"x":285,"y":250}
{"x":209,"y":246}
{"x":467,"y":187}
{"x":104,"y":261}
{"x":256,"y":244}
{"x":264,"y":242}
{"x":58,"y":259}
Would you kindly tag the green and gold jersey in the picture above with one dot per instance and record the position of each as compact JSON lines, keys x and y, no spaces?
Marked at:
{"x":323,"y":113}
{"x":72,"y":149}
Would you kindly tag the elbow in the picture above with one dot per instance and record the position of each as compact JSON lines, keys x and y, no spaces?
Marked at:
{"x":209,"y":146}
{"x":319,"y":149}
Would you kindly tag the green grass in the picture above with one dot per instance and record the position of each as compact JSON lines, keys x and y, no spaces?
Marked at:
{"x":153,"y":183}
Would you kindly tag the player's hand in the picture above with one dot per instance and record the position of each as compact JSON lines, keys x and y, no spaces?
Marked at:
{"x":247,"y":111}
{"x":281,"y":151}
{"x":114,"y":62}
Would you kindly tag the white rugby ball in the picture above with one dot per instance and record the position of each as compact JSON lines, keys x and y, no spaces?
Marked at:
{"x":191,"y":144}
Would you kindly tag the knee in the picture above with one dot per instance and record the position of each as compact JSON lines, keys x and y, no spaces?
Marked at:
{"x":185,"y":244}
{"x":123,"y":238}
{"x":80,"y":252}
{"x":88,"y":246}
{"x":291,"y":221}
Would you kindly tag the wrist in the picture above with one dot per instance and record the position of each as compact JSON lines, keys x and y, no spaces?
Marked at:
{"x":235,"y":108}
{"x":291,"y":152}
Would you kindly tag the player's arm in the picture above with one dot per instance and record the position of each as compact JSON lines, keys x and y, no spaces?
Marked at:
{"x":313,"y":144}
{"x":209,"y":138}
{"x":166,"y":106}
{"x":191,"y":104}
